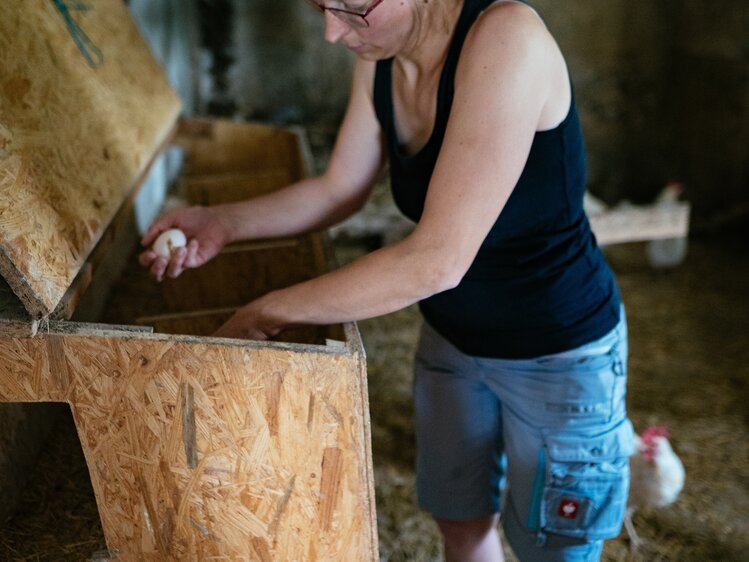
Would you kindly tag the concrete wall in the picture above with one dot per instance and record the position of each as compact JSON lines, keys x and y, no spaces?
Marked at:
{"x":281,"y":69}
{"x":664,"y":93}
{"x":710,"y":111}
{"x":615,"y":64}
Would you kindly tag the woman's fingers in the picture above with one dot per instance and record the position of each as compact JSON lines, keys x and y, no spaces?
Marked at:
{"x":235,"y":329}
{"x":194,"y":224}
{"x":181,"y":258}
{"x":192,"y":259}
{"x":247,"y":323}
{"x":146,"y":258}
{"x":158,"y":268}
{"x":176,"y":263}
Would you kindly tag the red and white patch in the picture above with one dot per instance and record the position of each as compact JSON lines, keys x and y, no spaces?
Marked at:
{"x":568,"y":509}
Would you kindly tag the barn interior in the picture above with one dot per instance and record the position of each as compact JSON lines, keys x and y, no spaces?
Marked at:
{"x":663,"y":93}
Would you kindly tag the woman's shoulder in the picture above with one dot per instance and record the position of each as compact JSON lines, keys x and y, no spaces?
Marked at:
{"x":508,"y":36}
{"x":508,"y":24}
{"x":510,"y":44}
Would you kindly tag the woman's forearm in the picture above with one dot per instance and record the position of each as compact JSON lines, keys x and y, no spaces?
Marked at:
{"x":381,"y":282}
{"x":384,"y":281}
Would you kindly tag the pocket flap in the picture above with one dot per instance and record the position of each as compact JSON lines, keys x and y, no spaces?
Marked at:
{"x":614,"y":443}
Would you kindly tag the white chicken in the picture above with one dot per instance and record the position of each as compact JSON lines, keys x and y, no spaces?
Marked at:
{"x":657,"y":476}
{"x":669,"y":252}
{"x":593,"y":205}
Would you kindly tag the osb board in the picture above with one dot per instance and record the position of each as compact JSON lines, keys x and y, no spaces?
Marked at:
{"x":206,"y":322}
{"x":203,"y":451}
{"x":75,"y":135}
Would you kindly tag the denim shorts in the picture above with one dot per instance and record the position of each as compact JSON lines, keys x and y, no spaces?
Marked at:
{"x":554,"y":428}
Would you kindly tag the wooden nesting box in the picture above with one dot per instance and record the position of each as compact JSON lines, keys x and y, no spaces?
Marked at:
{"x":198,"y":448}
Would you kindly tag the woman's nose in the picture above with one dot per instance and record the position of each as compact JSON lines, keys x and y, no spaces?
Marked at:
{"x":334,"y":28}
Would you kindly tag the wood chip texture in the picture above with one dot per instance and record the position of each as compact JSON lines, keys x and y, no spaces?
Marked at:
{"x":203,"y":451}
{"x":74,"y":137}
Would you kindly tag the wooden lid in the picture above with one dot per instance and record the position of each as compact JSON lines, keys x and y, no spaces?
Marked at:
{"x":84,"y":107}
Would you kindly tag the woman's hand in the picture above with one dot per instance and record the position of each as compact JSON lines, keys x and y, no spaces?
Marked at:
{"x":250,"y":322}
{"x":206,"y":235}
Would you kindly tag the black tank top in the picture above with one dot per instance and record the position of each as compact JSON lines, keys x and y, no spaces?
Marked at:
{"x":539,"y":284}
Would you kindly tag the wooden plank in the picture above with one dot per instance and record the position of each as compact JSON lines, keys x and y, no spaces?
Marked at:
{"x":206,"y":322}
{"x":14,"y":319}
{"x":634,"y":224}
{"x":67,"y":305}
{"x":236,"y":278}
{"x":190,"y":129}
{"x":239,"y":274}
{"x":194,"y":322}
{"x":234,"y":186}
{"x":221,"y":146}
{"x":281,"y":471}
{"x":368,"y":506}
{"x":256,"y":245}
{"x":75,"y":136}
{"x":25,"y":327}
{"x":61,"y":327}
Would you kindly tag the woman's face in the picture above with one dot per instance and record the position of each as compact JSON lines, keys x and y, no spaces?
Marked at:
{"x":390,"y":25}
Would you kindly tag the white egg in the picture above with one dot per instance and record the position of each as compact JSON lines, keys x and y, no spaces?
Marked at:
{"x":168,"y":241}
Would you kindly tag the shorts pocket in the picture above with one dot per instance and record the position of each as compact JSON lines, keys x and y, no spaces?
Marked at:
{"x":586,"y":481}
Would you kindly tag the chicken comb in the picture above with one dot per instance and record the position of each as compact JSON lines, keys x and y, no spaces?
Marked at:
{"x":653,"y":431}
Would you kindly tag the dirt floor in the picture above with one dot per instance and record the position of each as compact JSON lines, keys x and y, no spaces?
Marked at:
{"x":688,"y":371}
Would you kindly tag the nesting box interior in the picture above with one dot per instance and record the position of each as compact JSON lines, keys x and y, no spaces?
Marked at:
{"x":261,"y":158}
{"x":197,"y":447}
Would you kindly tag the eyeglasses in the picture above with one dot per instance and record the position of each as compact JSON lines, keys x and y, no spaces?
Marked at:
{"x":349,"y":17}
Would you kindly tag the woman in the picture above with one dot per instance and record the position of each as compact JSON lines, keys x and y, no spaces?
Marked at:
{"x":521,"y":367}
